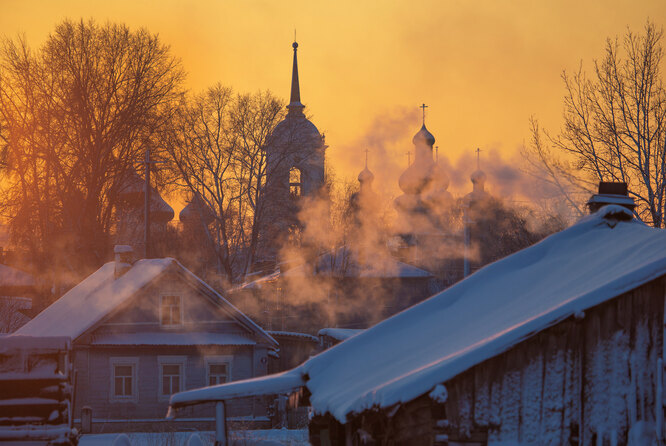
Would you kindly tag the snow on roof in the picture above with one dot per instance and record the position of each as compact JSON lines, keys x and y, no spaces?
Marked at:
{"x":12,"y":277}
{"x":279,"y":383}
{"x":171,"y":339}
{"x":340,"y":334}
{"x":294,"y":334}
{"x":90,"y":301}
{"x":407,"y":355}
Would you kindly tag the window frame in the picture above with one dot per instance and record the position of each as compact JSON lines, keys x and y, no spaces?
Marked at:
{"x":132,"y":361}
{"x":170,"y":360}
{"x":161,"y":309}
{"x":217,"y":360}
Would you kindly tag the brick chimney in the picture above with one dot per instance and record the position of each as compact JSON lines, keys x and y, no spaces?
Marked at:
{"x":611,"y":193}
{"x":123,"y":263}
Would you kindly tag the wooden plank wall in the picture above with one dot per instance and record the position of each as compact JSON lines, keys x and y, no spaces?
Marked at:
{"x":597,"y":372}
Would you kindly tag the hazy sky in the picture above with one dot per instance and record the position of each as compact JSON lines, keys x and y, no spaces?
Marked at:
{"x":482,"y":67}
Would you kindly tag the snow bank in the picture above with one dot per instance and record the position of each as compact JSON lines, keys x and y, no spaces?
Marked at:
{"x":266,"y":437}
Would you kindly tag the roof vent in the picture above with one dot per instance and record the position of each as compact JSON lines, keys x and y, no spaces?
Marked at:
{"x":611,"y":193}
{"x":123,"y":260}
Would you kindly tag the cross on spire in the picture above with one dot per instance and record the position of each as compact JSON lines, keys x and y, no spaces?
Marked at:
{"x":423,"y":107}
{"x":478,"y":151}
{"x":366,"y":158}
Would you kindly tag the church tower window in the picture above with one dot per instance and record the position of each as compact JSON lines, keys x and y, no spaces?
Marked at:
{"x":295,"y":182}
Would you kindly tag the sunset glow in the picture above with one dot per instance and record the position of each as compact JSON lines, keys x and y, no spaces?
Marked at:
{"x":483,"y":68}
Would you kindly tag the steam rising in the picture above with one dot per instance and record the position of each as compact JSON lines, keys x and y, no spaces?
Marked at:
{"x":346,"y":269}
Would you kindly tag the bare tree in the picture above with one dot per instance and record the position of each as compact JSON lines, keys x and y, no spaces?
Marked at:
{"x":11,"y":318}
{"x":218,"y":149}
{"x":76,"y":115}
{"x":614,"y":126}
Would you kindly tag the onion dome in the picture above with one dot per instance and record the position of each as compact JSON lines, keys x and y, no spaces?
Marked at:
{"x":160,"y":211}
{"x":478,"y":178}
{"x":423,"y":136}
{"x":439,"y":176}
{"x":366,"y":176}
{"x":415,"y":178}
{"x":437,"y":194}
{"x":131,"y":190}
{"x":407,"y":203}
{"x":196,"y":210}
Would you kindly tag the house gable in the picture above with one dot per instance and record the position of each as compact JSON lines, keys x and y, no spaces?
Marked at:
{"x":200,"y":312}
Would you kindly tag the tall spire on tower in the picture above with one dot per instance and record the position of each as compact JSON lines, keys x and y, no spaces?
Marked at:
{"x":295,"y":105}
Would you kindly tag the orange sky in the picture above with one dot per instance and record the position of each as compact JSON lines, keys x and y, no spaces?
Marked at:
{"x":482,"y":66}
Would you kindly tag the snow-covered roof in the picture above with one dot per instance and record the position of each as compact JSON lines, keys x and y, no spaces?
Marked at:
{"x":85,"y":305}
{"x":191,"y":338}
{"x":601,"y":257}
{"x":279,"y":383}
{"x":12,"y":277}
{"x":293,"y":334}
{"x":340,"y":334}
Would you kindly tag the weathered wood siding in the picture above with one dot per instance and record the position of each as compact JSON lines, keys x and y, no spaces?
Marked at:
{"x":594,"y":374}
{"x":141,"y":315}
{"x":94,"y":382}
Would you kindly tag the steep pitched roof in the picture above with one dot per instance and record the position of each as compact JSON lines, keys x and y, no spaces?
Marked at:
{"x":89,"y":302}
{"x":407,"y":355}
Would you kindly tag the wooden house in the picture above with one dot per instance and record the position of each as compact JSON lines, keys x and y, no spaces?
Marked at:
{"x":144,"y":330}
{"x":560,"y":343}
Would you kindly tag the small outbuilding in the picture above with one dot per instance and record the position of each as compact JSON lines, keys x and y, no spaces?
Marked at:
{"x":560,"y":343}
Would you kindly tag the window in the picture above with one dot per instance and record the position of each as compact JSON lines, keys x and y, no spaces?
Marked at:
{"x":218,"y":369}
{"x":171,"y":311}
{"x":124,"y":373}
{"x":171,"y":374}
{"x":295,"y":182}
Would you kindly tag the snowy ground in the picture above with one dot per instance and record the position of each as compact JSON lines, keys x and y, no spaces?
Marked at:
{"x":272,"y":437}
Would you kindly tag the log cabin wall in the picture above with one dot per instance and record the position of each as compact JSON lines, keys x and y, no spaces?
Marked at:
{"x":586,"y":377}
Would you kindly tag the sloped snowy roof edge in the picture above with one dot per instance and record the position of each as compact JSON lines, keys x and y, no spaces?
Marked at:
{"x":276,"y":384}
{"x":235,"y":312}
{"x":100,"y":294}
{"x":598,"y":259}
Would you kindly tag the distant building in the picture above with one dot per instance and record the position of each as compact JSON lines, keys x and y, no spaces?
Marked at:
{"x":144,"y":330}
{"x":336,"y":289}
{"x":295,"y":157}
{"x":130,"y":228}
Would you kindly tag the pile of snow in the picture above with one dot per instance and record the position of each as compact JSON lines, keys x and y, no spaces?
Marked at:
{"x":269,"y":437}
{"x":601,"y":257}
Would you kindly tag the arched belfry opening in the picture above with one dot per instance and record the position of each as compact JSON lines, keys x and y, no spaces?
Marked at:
{"x":295,"y":184}
{"x":295,"y":157}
